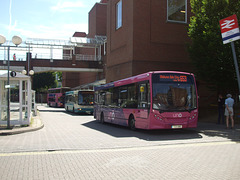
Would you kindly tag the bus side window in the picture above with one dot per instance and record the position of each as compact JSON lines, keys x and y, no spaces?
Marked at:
{"x":132,"y":96}
{"x":143,"y":95}
{"x":79,"y":100}
{"x":123,"y":96}
{"x":115,"y":96}
{"x":108,"y":97}
{"x":96,"y":97}
{"x":102,"y":98}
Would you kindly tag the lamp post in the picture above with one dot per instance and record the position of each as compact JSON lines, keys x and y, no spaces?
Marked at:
{"x":16,"y":40}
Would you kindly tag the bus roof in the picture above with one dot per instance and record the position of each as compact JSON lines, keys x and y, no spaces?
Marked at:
{"x":80,"y":90}
{"x":59,"y":88}
{"x":133,"y":79}
{"x":69,"y":93}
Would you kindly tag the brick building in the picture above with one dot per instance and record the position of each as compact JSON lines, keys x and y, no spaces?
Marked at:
{"x":142,"y":35}
{"x":97,"y":28}
{"x":147,"y":35}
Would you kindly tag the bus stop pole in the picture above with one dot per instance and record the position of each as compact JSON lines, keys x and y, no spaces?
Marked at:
{"x":236,"y":65}
{"x":8,"y":91}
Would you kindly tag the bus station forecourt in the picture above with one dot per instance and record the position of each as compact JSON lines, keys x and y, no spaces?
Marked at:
{"x":202,"y":127}
{"x":177,"y":107}
{"x":71,"y":146}
{"x":74,"y":146}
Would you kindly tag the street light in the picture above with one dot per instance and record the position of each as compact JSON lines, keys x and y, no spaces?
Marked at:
{"x":31,"y":72}
{"x":16,"y":40}
{"x":2,"y":39}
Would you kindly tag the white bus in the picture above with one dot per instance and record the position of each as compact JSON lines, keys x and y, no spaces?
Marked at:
{"x":79,"y":101}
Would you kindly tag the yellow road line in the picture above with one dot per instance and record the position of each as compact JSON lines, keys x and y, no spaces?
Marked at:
{"x":163,"y":146}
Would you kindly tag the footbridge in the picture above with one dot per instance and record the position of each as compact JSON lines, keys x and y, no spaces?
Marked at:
{"x":41,"y":55}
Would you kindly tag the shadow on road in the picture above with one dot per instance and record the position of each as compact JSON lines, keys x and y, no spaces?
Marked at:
{"x":148,"y":135}
{"x":62,"y":110}
{"x":52,"y":110}
{"x":215,"y":130}
{"x":204,"y":129}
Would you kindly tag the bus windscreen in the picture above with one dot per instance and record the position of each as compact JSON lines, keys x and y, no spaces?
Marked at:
{"x":85,"y":98}
{"x":174,"y":92}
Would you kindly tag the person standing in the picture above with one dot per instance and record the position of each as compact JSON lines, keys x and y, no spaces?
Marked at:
{"x":14,"y":57}
{"x":221,"y":103}
{"x":229,"y":110}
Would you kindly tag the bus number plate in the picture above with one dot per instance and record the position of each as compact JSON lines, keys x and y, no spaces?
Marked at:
{"x":176,"y":126}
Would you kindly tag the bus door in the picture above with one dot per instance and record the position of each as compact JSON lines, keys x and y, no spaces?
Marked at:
{"x":143,"y":101}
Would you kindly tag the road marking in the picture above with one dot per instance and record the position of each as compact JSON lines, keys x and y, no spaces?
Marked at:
{"x":163,"y":146}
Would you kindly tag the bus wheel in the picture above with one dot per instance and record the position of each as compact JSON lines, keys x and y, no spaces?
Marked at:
{"x":102,"y":118}
{"x":131,"y":123}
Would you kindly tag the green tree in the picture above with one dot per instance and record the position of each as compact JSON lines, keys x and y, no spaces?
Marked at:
{"x":212,"y":59}
{"x":43,"y":81}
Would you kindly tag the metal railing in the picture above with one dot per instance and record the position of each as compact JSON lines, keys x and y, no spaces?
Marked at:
{"x":54,"y":49}
{"x":19,"y":55}
{"x":82,"y":57}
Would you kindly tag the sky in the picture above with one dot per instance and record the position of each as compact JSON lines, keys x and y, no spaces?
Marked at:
{"x":48,"y":19}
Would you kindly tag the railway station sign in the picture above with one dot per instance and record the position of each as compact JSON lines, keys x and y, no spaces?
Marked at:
{"x":229,"y":29}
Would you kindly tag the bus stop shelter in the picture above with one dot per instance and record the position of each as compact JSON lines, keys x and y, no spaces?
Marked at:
{"x":20,"y":100}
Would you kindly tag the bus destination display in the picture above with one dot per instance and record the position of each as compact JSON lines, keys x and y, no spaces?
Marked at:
{"x":173,"y":77}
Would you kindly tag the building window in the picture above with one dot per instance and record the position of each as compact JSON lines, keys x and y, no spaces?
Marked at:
{"x":119,"y":14}
{"x":177,"y":11}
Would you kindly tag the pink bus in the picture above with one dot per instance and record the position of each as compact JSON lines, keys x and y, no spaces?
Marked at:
{"x":153,"y":100}
{"x":56,"y":96}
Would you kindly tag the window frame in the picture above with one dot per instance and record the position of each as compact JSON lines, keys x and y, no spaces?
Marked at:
{"x":119,"y":15}
{"x":175,"y":21}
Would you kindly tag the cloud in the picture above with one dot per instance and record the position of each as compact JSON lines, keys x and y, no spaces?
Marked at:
{"x":10,"y":16}
{"x":64,"y":31}
{"x":66,"y":6}
{"x":12,"y":27}
{"x":43,"y":24}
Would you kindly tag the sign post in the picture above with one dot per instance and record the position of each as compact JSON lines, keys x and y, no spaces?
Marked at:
{"x":230,"y":33}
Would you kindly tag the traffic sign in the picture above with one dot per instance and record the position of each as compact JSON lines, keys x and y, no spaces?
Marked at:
{"x":229,"y":29}
{"x":13,"y":74}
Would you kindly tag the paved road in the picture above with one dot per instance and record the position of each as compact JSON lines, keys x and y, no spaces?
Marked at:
{"x":78,"y":147}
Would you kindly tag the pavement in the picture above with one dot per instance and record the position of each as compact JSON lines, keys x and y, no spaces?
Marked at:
{"x":36,"y":124}
{"x":207,"y":128}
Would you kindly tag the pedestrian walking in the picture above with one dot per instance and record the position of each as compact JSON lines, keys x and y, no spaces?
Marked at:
{"x":221,"y":103}
{"x":229,"y":102}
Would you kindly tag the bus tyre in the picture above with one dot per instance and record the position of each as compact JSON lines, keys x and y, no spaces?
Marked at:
{"x":102,"y":118}
{"x":131,"y":123}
